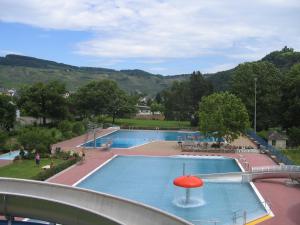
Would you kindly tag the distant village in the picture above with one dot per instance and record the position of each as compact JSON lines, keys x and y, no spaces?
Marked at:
{"x":9,"y":92}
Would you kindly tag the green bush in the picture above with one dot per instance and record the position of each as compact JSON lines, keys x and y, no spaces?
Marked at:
{"x":38,"y":138}
{"x":43,"y":175}
{"x":71,"y":129}
{"x":66,"y":128}
{"x":78,"y":128}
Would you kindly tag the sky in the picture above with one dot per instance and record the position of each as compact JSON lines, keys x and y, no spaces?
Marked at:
{"x":160,"y":36}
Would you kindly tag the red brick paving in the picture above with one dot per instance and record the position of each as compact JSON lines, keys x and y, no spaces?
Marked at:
{"x":4,"y":162}
{"x":285,"y":200}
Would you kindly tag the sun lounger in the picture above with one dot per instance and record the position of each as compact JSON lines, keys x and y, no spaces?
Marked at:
{"x":46,"y":167}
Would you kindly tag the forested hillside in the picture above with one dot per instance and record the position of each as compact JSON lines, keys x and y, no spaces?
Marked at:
{"x":17,"y":70}
{"x":282,"y":60}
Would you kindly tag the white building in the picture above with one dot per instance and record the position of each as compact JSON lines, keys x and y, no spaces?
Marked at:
{"x":277,"y":140}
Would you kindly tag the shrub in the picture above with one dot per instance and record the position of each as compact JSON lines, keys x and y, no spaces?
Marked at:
{"x":70,"y":129}
{"x":22,"y":153}
{"x":78,"y":128}
{"x":38,"y":138}
{"x":43,"y":175}
{"x":66,"y":128}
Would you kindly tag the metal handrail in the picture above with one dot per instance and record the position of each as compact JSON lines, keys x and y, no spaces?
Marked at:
{"x":281,"y":168}
{"x":279,"y":155}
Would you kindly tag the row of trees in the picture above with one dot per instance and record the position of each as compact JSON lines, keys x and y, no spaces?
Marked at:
{"x":49,"y":100}
{"x":277,"y":96}
{"x":69,"y":114}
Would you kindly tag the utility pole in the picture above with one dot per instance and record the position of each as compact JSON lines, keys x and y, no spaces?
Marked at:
{"x":255,"y":80}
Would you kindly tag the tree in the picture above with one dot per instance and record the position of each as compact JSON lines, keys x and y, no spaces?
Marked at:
{"x":7,"y":113}
{"x":199,"y":87}
{"x":290,"y":100}
{"x":156,"y":107}
{"x":294,"y":136}
{"x":44,"y":100}
{"x":103,"y":97}
{"x":177,"y":102}
{"x":181,"y":101}
{"x":223,"y":115}
{"x":268,"y":91}
{"x":3,"y":138}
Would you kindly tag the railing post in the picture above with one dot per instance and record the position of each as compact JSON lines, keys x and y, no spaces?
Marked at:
{"x":234,"y":218}
{"x":245,"y":217}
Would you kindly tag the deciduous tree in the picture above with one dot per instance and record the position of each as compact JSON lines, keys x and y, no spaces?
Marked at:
{"x":103,"y":97}
{"x":7,"y":112}
{"x":44,"y":100}
{"x":223,"y":115}
{"x":268,"y":91}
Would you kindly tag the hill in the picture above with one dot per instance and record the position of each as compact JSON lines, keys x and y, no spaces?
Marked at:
{"x":16,"y":70}
{"x":283,"y":60}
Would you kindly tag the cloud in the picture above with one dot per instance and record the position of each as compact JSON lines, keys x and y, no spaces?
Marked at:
{"x":165,"y":29}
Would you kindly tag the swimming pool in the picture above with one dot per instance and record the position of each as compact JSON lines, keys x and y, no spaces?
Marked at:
{"x":10,"y":155}
{"x":131,"y":138}
{"x":150,"y":180}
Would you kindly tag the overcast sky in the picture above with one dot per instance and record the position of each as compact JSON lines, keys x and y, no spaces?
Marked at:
{"x":159,"y":36}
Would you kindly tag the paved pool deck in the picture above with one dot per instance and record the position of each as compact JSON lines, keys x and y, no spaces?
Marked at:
{"x":284,"y":200}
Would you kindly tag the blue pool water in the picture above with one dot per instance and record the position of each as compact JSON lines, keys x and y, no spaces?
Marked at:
{"x":150,"y":180}
{"x":130,"y":138}
{"x":10,"y":155}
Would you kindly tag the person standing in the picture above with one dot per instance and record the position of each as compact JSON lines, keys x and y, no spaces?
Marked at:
{"x":83,"y":154}
{"x":37,"y":159}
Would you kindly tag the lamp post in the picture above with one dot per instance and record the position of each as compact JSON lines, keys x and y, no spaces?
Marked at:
{"x":255,"y":80}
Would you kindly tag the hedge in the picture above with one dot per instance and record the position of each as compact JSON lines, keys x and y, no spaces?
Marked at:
{"x":45,"y":174}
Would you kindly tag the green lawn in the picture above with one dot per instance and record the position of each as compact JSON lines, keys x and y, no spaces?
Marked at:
{"x":25,"y":169}
{"x":294,"y":155}
{"x":152,"y":124}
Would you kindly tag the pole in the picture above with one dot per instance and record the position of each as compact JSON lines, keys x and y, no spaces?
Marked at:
{"x":255,"y":80}
{"x":187,"y":196}
{"x":183,"y":169}
{"x":94,"y":131}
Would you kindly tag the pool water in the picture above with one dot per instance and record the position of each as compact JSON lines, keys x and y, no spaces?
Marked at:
{"x":10,"y":155}
{"x":149,"y":180}
{"x":131,"y":138}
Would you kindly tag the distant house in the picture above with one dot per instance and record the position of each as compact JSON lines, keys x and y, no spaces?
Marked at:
{"x":11,"y":92}
{"x":277,"y":139}
{"x":66,"y":95}
{"x":143,"y":110}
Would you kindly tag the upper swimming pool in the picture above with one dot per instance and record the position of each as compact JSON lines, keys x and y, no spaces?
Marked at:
{"x":131,"y":138}
{"x":149,"y":180}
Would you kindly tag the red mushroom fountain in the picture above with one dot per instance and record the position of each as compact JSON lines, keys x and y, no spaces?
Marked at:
{"x":188,"y":182}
